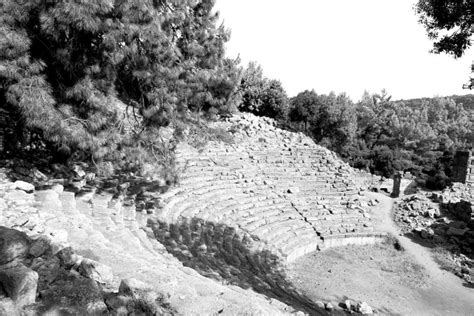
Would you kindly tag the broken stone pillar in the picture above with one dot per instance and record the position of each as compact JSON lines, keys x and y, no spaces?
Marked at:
{"x":470,"y":170}
{"x":397,"y":180}
{"x":462,"y":167}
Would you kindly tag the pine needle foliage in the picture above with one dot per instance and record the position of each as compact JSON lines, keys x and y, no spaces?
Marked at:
{"x":77,"y":72}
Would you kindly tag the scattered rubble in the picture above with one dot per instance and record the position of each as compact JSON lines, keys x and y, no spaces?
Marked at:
{"x":443,"y":220}
{"x":34,"y":277}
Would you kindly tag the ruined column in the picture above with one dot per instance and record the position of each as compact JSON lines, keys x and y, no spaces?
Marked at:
{"x":397,"y":180}
{"x":462,"y":166}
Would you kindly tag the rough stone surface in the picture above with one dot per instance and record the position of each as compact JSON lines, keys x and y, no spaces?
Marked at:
{"x":14,"y":245}
{"x":25,"y":186}
{"x":364,"y":308}
{"x":110,"y":234}
{"x":287,"y":195}
{"x":40,"y":246}
{"x":96,"y":271}
{"x":8,"y":307}
{"x":20,"y":283}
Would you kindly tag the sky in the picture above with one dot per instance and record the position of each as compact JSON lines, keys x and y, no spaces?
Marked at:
{"x":343,"y":46}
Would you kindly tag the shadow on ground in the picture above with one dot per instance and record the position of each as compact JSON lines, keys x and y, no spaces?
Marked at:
{"x":227,"y":254}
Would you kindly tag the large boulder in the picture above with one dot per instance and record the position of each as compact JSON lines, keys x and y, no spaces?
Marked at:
{"x":73,"y":295}
{"x":14,"y":245}
{"x":20,"y":284}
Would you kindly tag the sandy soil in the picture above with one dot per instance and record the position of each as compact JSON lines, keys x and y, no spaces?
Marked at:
{"x":405,"y":282}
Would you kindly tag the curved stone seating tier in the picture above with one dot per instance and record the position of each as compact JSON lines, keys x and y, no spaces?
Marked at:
{"x":98,"y":225}
{"x":274,"y":187}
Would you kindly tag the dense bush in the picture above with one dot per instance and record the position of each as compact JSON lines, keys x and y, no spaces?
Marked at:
{"x":262,"y":96}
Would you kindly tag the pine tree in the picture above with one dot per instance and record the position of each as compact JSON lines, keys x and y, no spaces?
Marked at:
{"x":72,"y":71}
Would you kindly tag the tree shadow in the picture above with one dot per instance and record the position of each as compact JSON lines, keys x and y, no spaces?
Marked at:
{"x":230,"y":255}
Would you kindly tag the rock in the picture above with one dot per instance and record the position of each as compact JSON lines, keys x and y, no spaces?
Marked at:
{"x":349,"y":305}
{"x":40,"y":246}
{"x":320,"y":304}
{"x":97,"y":307}
{"x":427,"y":233}
{"x":135,"y":288}
{"x":117,"y":304}
{"x":452,"y":231}
{"x":49,"y":270}
{"x":19,"y":197}
{"x":68,"y":258}
{"x":432,"y":213}
{"x":79,"y":171}
{"x":48,"y":199}
{"x":90,"y":176}
{"x":7,"y":307}
{"x":144,"y":298}
{"x":58,"y":188}
{"x":77,"y":296}
{"x":96,"y":271}
{"x":20,"y":283}
{"x":38,"y":175}
{"x":364,"y":308}
{"x":25,"y":186}
{"x":329,"y":306}
{"x":14,"y":245}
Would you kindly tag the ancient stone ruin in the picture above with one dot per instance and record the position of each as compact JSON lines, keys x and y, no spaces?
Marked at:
{"x":273,"y":189}
{"x":463,"y":167}
{"x":463,"y":171}
{"x":218,"y":240}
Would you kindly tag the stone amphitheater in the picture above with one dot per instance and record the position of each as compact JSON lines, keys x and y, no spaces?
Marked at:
{"x":273,"y":190}
{"x":219,"y":241}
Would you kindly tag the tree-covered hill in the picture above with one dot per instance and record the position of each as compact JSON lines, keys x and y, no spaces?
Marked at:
{"x":376,"y":134}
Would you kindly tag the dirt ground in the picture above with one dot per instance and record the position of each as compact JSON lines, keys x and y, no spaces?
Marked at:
{"x":407,"y":282}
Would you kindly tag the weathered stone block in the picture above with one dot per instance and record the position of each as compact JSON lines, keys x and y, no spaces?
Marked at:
{"x":20,"y":283}
{"x":25,"y":186}
{"x":14,"y":245}
{"x":96,"y":271}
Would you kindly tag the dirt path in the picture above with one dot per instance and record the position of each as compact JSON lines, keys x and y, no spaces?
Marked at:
{"x":445,"y":293}
{"x":393,"y":282}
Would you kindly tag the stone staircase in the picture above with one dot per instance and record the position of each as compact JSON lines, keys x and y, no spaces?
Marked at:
{"x":273,"y":189}
{"x":103,"y":229}
{"x":220,"y":240}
